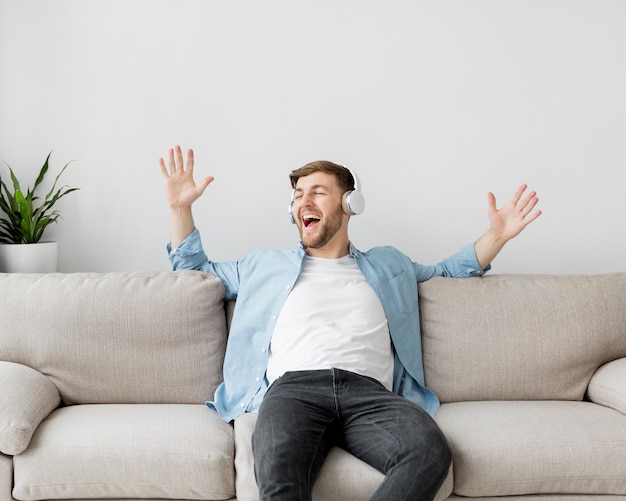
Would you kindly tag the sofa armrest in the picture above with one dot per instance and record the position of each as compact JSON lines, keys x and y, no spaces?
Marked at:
{"x":608,"y":385}
{"x":27,"y":397}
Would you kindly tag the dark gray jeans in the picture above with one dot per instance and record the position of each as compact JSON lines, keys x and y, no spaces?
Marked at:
{"x":305,"y":413}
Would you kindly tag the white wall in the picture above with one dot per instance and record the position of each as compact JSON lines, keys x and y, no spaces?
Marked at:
{"x":432,"y":103}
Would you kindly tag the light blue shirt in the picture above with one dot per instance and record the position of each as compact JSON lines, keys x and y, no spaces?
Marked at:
{"x":261,"y":282}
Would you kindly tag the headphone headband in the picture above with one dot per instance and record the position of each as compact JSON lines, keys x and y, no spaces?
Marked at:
{"x":355,"y":178}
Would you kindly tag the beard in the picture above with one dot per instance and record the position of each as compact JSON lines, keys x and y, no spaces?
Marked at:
{"x":326,"y":229}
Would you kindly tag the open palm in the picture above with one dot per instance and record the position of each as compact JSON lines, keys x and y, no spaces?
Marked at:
{"x":511,"y":219}
{"x":180,"y":188}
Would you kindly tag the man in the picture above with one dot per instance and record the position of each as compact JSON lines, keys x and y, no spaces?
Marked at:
{"x":325,"y":343}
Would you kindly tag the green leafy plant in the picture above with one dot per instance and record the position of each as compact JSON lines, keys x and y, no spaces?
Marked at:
{"x":26,"y":215}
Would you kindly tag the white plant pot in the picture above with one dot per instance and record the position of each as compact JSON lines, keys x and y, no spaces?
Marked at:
{"x":29,"y":258}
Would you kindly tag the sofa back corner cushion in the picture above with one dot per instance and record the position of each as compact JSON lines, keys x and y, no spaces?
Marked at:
{"x":137,"y":337}
{"x":520,"y":337}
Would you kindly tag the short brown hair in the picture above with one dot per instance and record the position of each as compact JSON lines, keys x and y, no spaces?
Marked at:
{"x":343,"y":176}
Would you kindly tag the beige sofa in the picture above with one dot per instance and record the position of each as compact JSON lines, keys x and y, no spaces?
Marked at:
{"x":103,"y":379}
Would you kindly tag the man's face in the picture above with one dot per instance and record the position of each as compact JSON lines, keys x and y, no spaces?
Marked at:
{"x":318,"y":212}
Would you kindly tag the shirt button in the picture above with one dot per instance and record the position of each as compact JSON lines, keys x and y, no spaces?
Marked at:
{"x":262,"y":350}
{"x":242,"y":405}
{"x":258,"y":379}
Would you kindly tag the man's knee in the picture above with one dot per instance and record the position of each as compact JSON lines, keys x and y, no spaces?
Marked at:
{"x":433,"y":452}
{"x":443,"y":456}
{"x":425,"y":442}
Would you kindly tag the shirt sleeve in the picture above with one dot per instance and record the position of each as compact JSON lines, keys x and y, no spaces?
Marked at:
{"x":463,"y":264}
{"x":189,"y":255}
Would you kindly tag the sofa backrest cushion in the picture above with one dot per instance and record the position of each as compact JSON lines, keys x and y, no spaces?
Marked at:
{"x":139,"y":337}
{"x":520,"y":337}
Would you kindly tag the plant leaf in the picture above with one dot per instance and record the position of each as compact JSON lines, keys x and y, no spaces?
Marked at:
{"x":27,"y":215}
{"x":42,"y":172}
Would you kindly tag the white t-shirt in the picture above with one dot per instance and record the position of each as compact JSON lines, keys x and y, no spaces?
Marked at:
{"x":332,"y":318}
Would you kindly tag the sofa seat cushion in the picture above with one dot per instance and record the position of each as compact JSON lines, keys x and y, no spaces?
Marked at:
{"x":177,"y":451}
{"x":6,"y":478}
{"x":535,"y":447}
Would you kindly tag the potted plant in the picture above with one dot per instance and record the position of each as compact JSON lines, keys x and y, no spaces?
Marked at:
{"x":23,"y":224}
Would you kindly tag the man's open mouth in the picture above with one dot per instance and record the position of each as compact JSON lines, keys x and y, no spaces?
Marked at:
{"x":310,"y":220}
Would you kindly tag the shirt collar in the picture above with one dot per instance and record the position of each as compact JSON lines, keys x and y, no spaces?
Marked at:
{"x":353,"y":251}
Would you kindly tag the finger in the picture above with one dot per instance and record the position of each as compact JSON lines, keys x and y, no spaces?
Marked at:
{"x":491,"y":200}
{"x":529,"y":219}
{"x":528,"y":204}
{"x":528,"y":199}
{"x":190,"y":159}
{"x":518,"y":194}
{"x":204,"y":183}
{"x":179,"y":159}
{"x":170,"y":160}
{"x":164,"y":170}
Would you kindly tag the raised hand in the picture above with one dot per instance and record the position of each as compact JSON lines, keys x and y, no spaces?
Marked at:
{"x":511,"y":219}
{"x":181,"y":192}
{"x":506,"y":223}
{"x":180,"y":187}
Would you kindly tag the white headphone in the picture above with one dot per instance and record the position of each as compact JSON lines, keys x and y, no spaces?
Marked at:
{"x":352,"y":202}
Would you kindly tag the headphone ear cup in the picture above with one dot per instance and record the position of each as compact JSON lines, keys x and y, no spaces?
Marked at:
{"x":290,"y":208}
{"x":353,"y":203}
